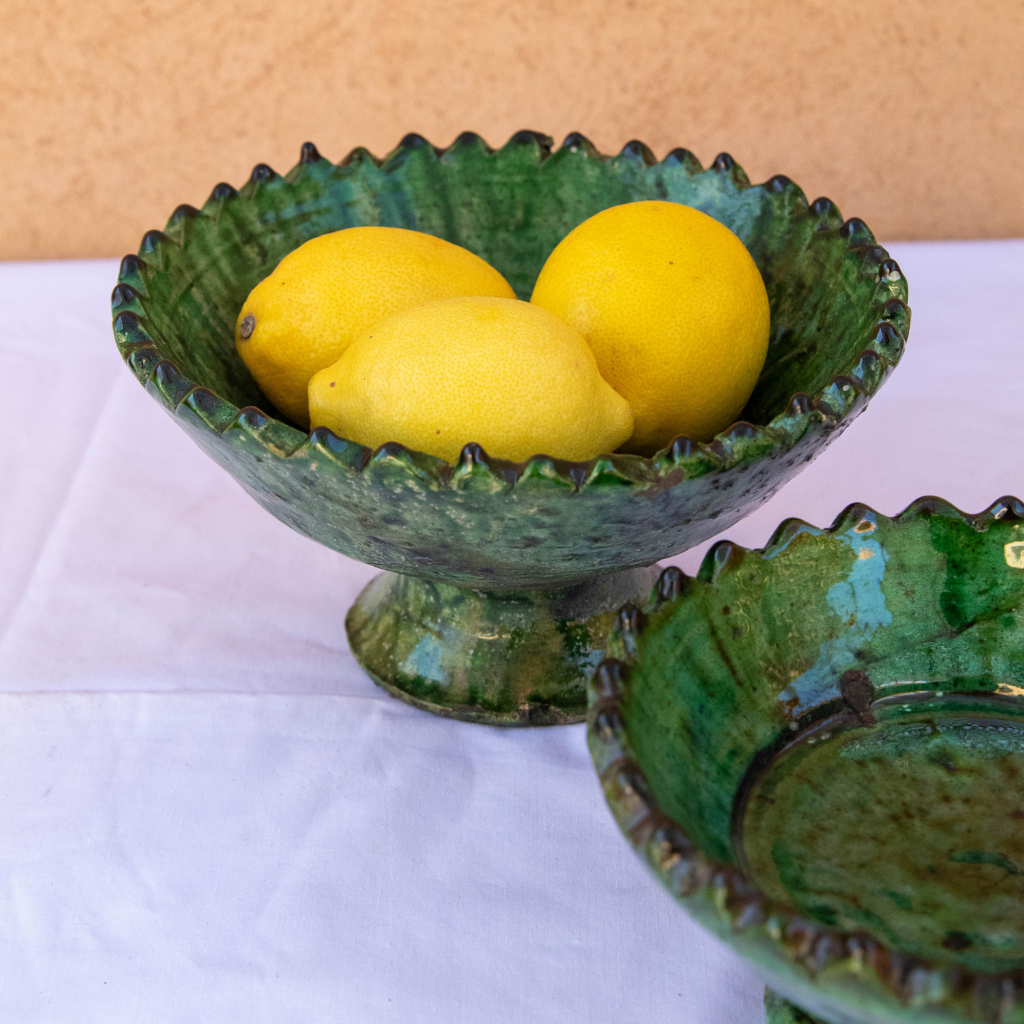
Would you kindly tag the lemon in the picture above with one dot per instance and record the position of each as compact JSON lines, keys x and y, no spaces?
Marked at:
{"x":674,"y":309}
{"x":332,"y":289}
{"x":497,"y":371}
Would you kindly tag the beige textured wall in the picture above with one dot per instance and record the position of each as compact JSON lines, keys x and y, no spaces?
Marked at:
{"x":909,"y":114}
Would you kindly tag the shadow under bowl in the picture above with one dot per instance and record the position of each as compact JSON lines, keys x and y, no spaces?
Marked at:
{"x":503,"y":577}
{"x":819,"y":749}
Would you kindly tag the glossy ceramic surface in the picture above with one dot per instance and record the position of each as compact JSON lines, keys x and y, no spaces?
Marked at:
{"x":780,"y":1011}
{"x":500,"y":657}
{"x":819,"y":748}
{"x":839,"y":325}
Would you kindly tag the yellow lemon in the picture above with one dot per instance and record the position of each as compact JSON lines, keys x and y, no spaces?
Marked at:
{"x":333,"y":288}
{"x":500,"y":372}
{"x":675,"y":310}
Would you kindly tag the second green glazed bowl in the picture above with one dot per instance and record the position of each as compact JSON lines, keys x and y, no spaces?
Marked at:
{"x":819,"y":749}
{"x":502,"y":578}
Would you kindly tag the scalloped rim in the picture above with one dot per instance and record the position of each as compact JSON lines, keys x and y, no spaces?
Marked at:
{"x":684,"y":870}
{"x":836,"y":405}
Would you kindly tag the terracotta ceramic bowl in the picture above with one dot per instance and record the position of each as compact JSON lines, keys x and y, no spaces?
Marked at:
{"x":503,"y":577}
{"x":819,"y":749}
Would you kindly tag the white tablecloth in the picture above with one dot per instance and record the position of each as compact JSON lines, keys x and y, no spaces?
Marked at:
{"x":208,"y":813}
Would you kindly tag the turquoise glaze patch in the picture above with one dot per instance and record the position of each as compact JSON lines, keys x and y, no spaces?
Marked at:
{"x":859,"y":601}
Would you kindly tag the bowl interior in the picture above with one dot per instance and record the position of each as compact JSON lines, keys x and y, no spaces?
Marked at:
{"x":841,"y":717}
{"x":511,"y":207}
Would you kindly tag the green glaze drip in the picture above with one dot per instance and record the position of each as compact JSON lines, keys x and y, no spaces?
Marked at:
{"x":997,"y":860}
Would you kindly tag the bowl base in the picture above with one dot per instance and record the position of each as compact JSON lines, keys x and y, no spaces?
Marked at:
{"x":781,"y":1011}
{"x":495,"y":657}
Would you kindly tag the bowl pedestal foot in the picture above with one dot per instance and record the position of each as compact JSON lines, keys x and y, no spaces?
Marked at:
{"x":496,"y":657}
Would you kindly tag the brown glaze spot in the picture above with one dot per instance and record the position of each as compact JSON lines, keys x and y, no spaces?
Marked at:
{"x":857,"y":691}
{"x":247,"y":326}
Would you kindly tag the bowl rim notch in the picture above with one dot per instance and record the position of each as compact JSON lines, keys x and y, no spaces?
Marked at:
{"x":809,"y":963}
{"x":833,"y":407}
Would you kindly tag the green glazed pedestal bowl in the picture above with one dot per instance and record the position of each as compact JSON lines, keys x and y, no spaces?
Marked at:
{"x":503,"y":578}
{"x":819,"y":749}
